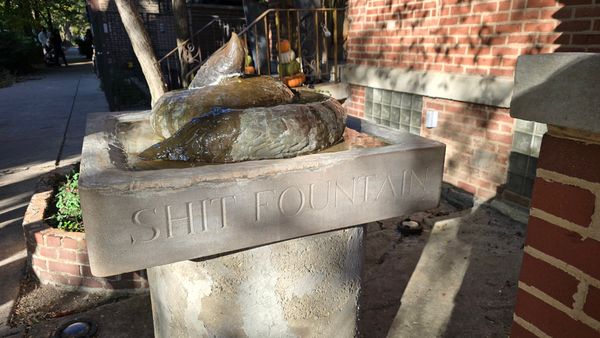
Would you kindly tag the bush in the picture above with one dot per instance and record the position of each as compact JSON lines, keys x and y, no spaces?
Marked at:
{"x":68,"y":215}
{"x":17,"y":52}
{"x":7,"y":79}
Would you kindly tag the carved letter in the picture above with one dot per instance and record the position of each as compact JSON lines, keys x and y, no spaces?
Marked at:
{"x":367,"y":186}
{"x":283,"y":195}
{"x":259,"y":204}
{"x":135,"y":219}
{"x":419,"y":182}
{"x":223,"y":208}
{"x":350,"y":197}
{"x":189,"y":218}
{"x":404,"y":192}
{"x":204,"y":215}
{"x":311,"y":196}
{"x":389,"y":181}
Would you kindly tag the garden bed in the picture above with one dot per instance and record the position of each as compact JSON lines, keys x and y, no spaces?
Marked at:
{"x":59,"y":257}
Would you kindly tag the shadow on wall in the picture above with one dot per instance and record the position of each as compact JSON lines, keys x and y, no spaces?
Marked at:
{"x":474,"y":38}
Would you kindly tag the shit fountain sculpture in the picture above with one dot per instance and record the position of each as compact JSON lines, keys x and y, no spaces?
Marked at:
{"x":245,"y":201}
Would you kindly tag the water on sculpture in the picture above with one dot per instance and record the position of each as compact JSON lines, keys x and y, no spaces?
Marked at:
{"x":232,"y":118}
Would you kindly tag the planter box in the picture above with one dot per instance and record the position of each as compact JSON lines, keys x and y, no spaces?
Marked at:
{"x":60,"y":257}
{"x":143,"y":218}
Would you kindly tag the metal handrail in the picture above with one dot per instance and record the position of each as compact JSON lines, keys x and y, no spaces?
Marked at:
{"x":263,"y":17}
{"x":174,"y":50}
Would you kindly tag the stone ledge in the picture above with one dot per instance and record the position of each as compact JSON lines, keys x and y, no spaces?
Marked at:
{"x":487,"y":90}
{"x":561,"y":89}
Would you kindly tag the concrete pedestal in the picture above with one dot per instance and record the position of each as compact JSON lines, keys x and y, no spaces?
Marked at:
{"x":305,"y":287}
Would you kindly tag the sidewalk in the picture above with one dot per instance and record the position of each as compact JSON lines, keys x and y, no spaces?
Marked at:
{"x":42,"y":123}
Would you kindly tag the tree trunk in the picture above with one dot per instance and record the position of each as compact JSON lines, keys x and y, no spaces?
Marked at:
{"x":182,"y":30}
{"x":142,"y":47}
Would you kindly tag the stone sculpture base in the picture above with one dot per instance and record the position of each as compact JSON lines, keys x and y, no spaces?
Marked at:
{"x":305,"y":287}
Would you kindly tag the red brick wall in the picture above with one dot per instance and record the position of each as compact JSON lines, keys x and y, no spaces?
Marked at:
{"x":474,"y":37}
{"x":60,"y":258}
{"x":478,"y":140}
{"x":559,"y":286}
{"x":467,"y":37}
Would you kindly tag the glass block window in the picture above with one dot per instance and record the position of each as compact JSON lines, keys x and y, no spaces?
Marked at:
{"x":527,"y":139}
{"x":394,"y":109}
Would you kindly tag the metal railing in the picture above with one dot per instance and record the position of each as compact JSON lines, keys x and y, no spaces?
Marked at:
{"x":307,"y":30}
{"x":170,"y":63}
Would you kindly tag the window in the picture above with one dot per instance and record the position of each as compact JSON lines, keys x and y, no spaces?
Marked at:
{"x":394,"y":109}
{"x":527,"y":139}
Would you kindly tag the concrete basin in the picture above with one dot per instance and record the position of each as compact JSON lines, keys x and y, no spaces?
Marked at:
{"x":137,"y":218}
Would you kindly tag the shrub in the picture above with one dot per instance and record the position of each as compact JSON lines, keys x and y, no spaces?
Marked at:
{"x":7,"y":79}
{"x":68,"y":208}
{"x":17,"y":52}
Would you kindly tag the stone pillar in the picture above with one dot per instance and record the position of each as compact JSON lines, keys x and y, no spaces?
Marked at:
{"x":559,"y":285}
{"x":305,"y":287}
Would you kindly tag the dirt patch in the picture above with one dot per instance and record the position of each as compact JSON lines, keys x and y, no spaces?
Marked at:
{"x":39,"y":303}
{"x":411,"y":286}
{"x":458,"y":278}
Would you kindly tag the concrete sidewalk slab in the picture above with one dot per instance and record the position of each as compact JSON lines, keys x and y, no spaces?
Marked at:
{"x":37,"y":118}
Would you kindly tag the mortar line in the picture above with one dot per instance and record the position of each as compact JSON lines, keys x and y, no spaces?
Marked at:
{"x":64,"y":138}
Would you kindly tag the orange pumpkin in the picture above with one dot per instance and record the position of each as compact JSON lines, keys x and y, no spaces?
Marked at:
{"x":284,"y":46}
{"x":249,"y":70}
{"x":294,"y":81}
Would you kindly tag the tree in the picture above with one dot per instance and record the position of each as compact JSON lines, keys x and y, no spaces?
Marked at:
{"x":142,"y":47}
{"x":25,"y":16}
{"x":182,"y":30}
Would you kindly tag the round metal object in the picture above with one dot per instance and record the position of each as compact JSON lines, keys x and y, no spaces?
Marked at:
{"x":78,"y":328}
{"x":409,"y":227}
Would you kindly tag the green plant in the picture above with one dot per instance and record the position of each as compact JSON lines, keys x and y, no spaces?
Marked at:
{"x":68,"y":215}
{"x":18,"y":53}
{"x":6,"y":78}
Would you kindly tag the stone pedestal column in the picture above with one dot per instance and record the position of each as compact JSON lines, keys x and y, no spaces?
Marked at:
{"x":305,"y":287}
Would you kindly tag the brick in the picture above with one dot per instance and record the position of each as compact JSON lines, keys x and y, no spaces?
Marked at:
{"x":85,"y":271}
{"x":574,"y":26}
{"x":565,"y":245}
{"x":540,"y":27}
{"x":508,"y":28}
{"x":466,"y":186}
{"x":497,"y":137}
{"x":524,"y":14}
{"x":517,"y":331}
{"x":548,"y":279}
{"x":39,"y":238}
{"x":71,"y":269}
{"x":92,"y":283}
{"x":39,"y":263}
{"x":570,"y":157}
{"x":574,"y":204}
{"x":70,"y":243}
{"x":68,"y":255}
{"x":585,"y":39}
{"x":82,"y":258}
{"x":589,"y":11}
{"x":48,"y":252}
{"x":541,"y":3}
{"x":591,"y":306}
{"x":74,"y":281}
{"x":52,"y":241}
{"x":551,"y":321}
